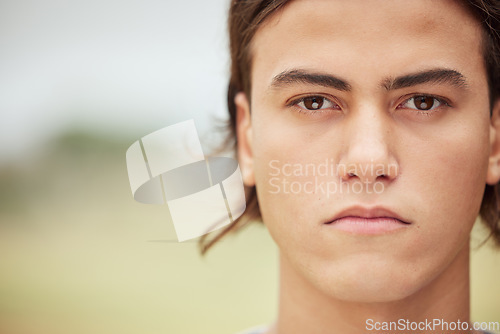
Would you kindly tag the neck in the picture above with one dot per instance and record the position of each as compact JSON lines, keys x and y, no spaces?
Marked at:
{"x":304,"y":309}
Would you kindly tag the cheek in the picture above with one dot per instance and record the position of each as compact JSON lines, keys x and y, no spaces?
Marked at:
{"x":286,"y":197}
{"x":445,"y":181}
{"x":447,"y":174}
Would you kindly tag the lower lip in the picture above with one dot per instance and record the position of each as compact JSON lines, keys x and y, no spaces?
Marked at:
{"x":361,"y":225}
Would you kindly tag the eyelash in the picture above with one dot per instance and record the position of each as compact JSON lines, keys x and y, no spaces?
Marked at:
{"x":295,"y":103}
{"x":442,"y":102}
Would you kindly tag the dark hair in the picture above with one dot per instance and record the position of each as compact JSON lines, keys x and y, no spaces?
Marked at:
{"x":245,"y":18}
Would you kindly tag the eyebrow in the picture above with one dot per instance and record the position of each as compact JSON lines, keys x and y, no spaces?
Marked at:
{"x":434,"y":76}
{"x":295,"y":76}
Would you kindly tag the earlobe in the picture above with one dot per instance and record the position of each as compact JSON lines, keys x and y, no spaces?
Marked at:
{"x":244,"y":138}
{"x":493,"y":175}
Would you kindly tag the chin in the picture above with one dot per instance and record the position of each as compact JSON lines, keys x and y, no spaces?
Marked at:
{"x":371,"y":281}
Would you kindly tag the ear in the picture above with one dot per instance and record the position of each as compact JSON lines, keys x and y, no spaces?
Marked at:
{"x":493,"y":175}
{"x":244,"y":138}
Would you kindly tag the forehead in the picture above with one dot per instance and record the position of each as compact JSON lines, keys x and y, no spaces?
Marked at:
{"x":379,"y":37}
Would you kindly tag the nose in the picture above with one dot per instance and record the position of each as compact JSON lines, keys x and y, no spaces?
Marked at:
{"x":368,"y":154}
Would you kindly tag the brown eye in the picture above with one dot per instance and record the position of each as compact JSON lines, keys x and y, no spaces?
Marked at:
{"x":313,"y":103}
{"x":424,"y":102}
{"x":316,"y":103}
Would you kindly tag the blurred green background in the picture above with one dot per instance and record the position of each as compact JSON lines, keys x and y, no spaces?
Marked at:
{"x":79,"y":255}
{"x":80,"y":81}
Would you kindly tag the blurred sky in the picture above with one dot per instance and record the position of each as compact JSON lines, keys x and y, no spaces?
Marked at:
{"x":128,"y":66}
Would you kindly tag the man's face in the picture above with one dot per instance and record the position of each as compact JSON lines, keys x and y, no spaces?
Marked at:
{"x":379,"y":108}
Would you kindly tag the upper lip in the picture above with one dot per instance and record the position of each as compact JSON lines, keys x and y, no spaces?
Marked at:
{"x":367,"y":212}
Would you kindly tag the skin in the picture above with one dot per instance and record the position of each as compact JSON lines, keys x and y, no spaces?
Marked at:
{"x":432,"y":165}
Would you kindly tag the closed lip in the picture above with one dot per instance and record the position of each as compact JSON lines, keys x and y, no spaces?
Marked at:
{"x":367,"y":213}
